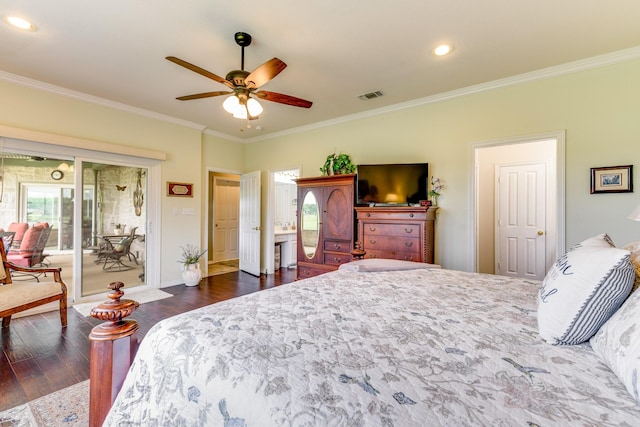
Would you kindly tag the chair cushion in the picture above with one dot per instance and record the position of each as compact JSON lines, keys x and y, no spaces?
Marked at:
{"x":30,"y":239}
{"x":21,"y":259}
{"x":121,"y":246}
{"x":19,"y":228}
{"x":17,"y":294}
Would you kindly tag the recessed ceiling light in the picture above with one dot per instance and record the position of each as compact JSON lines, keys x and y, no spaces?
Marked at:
{"x":20,"y":23}
{"x":443,"y":49}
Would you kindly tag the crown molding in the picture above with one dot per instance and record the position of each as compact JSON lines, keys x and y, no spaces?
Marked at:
{"x":542,"y":74}
{"x":81,"y":96}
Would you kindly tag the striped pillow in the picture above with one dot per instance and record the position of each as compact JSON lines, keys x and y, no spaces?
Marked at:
{"x":582,"y":290}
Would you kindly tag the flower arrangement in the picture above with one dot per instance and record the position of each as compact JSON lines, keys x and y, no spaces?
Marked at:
{"x":436,"y":188}
{"x":191,"y":255}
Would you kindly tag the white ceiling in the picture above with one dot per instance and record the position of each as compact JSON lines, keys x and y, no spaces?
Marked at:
{"x":335,"y":50}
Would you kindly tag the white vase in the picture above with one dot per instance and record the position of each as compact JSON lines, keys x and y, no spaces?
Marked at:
{"x":191,"y":274}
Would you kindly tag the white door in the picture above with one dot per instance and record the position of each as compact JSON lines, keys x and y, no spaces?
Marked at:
{"x":520,"y":232}
{"x":250,"y":223}
{"x":226,"y":201}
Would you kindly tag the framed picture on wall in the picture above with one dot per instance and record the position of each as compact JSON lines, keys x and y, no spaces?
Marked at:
{"x":179,"y":189}
{"x":612,"y":179}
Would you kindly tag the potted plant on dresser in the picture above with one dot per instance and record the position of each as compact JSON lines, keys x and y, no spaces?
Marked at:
{"x":190,"y":260}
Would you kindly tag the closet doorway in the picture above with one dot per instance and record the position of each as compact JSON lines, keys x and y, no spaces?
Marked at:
{"x":488,"y":158}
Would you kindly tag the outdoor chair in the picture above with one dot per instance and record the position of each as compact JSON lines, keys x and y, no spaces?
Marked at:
{"x":19,"y":228}
{"x":114,"y":252}
{"x":31,"y":250}
{"x":18,"y":297}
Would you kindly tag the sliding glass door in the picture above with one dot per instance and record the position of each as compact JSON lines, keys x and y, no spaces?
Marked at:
{"x":93,"y":200}
{"x":115,"y":213}
{"x":53,"y":204}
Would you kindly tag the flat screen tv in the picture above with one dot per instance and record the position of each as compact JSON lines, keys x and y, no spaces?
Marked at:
{"x":393,"y":184}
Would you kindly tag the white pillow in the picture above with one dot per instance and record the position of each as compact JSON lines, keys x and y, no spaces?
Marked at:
{"x":380,"y":264}
{"x":617,"y":343}
{"x":582,"y":290}
{"x":634,"y":248}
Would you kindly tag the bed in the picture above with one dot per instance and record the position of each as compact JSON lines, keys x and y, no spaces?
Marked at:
{"x":418,"y":346}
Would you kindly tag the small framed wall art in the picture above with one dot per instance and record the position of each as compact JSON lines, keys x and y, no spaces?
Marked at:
{"x":179,"y":189}
{"x":612,"y":179}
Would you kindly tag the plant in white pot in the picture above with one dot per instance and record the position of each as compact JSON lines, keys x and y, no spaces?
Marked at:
{"x":191,"y":273}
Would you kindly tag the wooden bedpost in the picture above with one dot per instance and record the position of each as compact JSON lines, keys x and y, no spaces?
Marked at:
{"x":113,"y":347}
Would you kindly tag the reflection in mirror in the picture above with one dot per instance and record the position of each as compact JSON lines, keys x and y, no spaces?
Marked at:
{"x":310,"y":222}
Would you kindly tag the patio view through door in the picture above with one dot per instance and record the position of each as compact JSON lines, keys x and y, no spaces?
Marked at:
{"x":113,"y":226}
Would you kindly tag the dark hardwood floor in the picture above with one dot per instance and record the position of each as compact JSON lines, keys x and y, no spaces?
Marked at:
{"x":39,"y":357}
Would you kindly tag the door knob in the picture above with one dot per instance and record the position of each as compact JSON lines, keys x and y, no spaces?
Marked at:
{"x":540,"y":233}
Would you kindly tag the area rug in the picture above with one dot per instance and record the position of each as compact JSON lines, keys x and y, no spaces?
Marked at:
{"x":141,"y":297}
{"x":67,"y":407}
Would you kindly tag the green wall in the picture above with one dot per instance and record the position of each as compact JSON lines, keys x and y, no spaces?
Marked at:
{"x":598,"y":108}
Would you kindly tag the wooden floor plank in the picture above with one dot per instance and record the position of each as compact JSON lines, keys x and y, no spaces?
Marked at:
{"x":39,"y":357}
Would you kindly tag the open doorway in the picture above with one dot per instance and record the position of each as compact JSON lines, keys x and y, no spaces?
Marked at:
{"x":489,"y":158}
{"x":280,"y":229}
{"x":223,"y":223}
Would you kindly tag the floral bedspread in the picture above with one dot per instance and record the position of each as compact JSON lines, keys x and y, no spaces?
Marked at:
{"x":405,"y":348}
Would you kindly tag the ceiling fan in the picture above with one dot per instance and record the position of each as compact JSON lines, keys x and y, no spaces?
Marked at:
{"x":243,"y":84}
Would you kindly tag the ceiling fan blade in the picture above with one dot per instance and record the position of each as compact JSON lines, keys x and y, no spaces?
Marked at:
{"x":264,"y":73}
{"x":283,"y":99}
{"x":203,"y":95}
{"x":200,"y":71}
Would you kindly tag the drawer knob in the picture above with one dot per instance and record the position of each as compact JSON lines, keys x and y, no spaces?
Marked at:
{"x":408,"y":258}
{"x":368,"y":214}
{"x":336,"y":259}
{"x":408,"y":230}
{"x":372,"y":241}
{"x":408,"y":244}
{"x":410,"y":215}
{"x":372,"y":228}
{"x":337,"y":245}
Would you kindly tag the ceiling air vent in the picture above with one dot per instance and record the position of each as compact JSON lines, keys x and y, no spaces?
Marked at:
{"x":371,"y":95}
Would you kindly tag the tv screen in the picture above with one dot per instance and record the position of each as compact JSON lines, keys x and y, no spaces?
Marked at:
{"x":393,"y":184}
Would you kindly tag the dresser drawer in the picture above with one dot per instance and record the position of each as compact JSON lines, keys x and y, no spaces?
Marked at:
{"x":338,"y":246}
{"x":336,"y":258}
{"x":310,"y":270}
{"x":392,"y":215}
{"x":380,"y":243}
{"x":397,"y":230}
{"x":405,"y":256}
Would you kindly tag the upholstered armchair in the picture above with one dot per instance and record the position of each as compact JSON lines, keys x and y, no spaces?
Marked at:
{"x":17,"y":297}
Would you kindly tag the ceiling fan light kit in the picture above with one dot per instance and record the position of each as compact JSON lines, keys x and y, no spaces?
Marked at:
{"x":242,"y":108}
{"x":243,"y":83}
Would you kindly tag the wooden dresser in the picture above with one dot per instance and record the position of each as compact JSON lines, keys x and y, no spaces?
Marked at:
{"x":326,"y":231}
{"x":397,"y":232}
